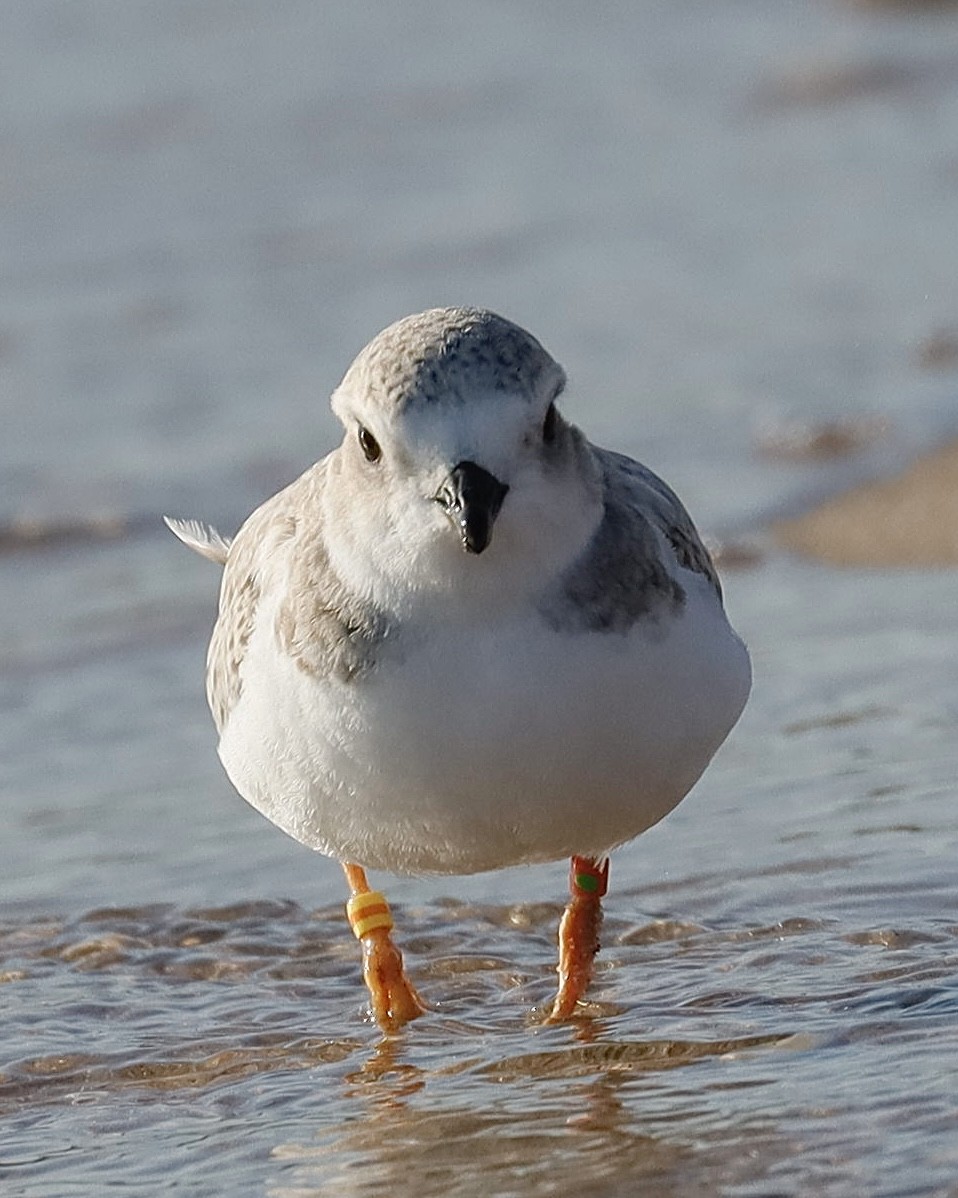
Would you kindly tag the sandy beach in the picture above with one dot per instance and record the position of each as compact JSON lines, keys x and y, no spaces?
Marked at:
{"x":910,"y":520}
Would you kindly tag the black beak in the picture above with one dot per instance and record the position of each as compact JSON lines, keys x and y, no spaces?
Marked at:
{"x":472,"y":497}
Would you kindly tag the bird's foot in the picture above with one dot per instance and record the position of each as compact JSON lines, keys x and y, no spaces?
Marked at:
{"x":393,"y":999}
{"x":579,"y":934}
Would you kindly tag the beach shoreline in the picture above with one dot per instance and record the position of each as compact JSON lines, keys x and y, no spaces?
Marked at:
{"x":908,"y":520}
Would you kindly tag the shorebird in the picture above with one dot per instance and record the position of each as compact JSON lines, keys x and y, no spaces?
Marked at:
{"x":467,"y":638}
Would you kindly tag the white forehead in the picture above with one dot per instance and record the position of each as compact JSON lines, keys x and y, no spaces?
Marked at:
{"x":486,"y":431}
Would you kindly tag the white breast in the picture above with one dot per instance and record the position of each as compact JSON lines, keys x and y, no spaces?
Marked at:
{"x":477,"y":746}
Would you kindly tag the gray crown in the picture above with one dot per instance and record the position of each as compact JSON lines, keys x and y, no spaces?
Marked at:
{"x":451,"y":354}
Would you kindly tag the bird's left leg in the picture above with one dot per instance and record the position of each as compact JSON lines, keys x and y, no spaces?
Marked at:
{"x":393,"y":999}
{"x":579,"y":933}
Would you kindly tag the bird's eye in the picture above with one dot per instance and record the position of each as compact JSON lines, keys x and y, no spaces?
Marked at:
{"x":549,"y":425}
{"x":369,"y":445}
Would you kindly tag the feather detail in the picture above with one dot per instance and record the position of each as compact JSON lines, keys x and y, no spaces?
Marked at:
{"x":202,"y":538}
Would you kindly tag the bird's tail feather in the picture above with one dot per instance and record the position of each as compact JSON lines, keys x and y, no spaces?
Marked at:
{"x":202,"y":538}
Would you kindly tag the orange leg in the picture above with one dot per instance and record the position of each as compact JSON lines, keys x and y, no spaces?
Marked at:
{"x":579,"y":933}
{"x":394,"y":1001}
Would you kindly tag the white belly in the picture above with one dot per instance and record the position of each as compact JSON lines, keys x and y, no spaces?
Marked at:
{"x":474,"y":750}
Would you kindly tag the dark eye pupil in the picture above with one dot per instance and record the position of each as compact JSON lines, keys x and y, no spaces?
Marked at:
{"x":549,"y":425}
{"x":369,"y":445}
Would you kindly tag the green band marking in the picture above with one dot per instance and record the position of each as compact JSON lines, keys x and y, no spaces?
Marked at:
{"x":587,"y":882}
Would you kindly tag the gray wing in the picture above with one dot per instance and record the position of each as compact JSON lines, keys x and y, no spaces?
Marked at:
{"x":324,"y":629}
{"x":625,"y":575}
{"x":246,"y":573}
{"x":664,"y":508}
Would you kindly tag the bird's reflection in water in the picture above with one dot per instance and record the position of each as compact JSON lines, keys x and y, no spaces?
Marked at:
{"x":531,"y":1124}
{"x":384,"y":1080}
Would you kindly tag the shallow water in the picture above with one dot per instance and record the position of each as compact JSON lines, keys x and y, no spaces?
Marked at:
{"x":731,"y":222}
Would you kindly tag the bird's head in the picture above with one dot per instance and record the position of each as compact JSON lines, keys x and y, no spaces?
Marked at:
{"x":457,"y":470}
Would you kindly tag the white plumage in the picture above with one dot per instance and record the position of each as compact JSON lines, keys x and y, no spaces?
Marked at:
{"x":389,"y":699}
{"x":202,"y":538}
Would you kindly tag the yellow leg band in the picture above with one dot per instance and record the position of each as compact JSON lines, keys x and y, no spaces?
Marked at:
{"x":367,"y":912}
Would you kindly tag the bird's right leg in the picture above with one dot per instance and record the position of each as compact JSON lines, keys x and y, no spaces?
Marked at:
{"x":393,"y":999}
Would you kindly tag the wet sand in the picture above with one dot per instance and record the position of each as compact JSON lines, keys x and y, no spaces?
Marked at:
{"x":910,"y":520}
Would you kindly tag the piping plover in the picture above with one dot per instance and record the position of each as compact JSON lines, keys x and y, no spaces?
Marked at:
{"x":467,"y":638}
